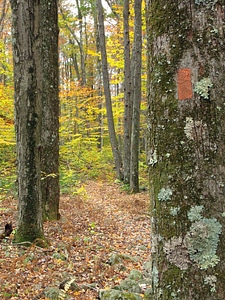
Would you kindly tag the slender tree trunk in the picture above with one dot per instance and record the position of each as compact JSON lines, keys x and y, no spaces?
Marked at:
{"x":3,"y":14}
{"x":111,"y":127}
{"x":28,"y":110}
{"x":128,"y":105}
{"x":81,"y":73}
{"x":186,"y":63}
{"x":75,"y":64}
{"x":81,"y":47}
{"x":50,"y":110}
{"x":135,"y":134}
{"x":99,"y":84}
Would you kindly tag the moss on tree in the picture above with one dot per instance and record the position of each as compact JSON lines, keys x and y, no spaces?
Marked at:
{"x":186,"y":144}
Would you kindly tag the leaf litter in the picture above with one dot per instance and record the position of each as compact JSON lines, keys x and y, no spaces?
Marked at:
{"x":102,"y":235}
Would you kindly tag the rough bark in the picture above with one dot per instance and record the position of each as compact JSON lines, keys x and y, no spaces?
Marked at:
{"x":3,"y":15}
{"x":100,"y":117}
{"x":136,"y":81}
{"x":186,"y":63}
{"x":128,"y":106}
{"x":28,"y":110}
{"x":81,"y":41}
{"x":50,"y":109}
{"x":105,"y":74}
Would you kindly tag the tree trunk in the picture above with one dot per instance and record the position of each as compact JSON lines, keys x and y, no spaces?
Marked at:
{"x":111,"y":127}
{"x":100,"y":118}
{"x":28,"y":110}
{"x":3,"y":15}
{"x":81,"y":72}
{"x":186,"y":63}
{"x":50,"y":110}
{"x":75,"y":64}
{"x":81,"y":47}
{"x":136,"y":80}
{"x":128,"y":104}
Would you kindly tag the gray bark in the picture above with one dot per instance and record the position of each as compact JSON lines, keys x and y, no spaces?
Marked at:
{"x":136,"y":81}
{"x":81,"y":47}
{"x":3,"y":15}
{"x":50,"y":109}
{"x":28,"y":110}
{"x":186,"y":63}
{"x":128,"y":106}
{"x":111,"y":127}
{"x":100,"y":117}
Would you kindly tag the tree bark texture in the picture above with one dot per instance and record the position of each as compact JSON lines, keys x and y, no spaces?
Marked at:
{"x":3,"y":14}
{"x":28,"y":110}
{"x":100,"y":129}
{"x":80,"y":44}
{"x":50,"y":109}
{"x":186,"y":145}
{"x":136,"y":87}
{"x":128,"y":104}
{"x":112,"y":134}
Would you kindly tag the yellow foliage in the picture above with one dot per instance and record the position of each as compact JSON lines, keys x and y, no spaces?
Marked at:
{"x":93,"y":52}
{"x":7,"y":134}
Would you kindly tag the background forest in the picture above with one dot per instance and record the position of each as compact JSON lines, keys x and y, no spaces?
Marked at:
{"x":103,"y":233}
{"x":185,"y":146}
{"x":85,"y":150}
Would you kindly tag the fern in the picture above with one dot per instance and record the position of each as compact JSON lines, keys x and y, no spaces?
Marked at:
{"x":67,"y":286}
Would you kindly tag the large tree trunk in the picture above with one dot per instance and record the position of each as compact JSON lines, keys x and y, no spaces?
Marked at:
{"x":136,"y":81}
{"x":186,"y":148}
{"x":111,"y":127}
{"x":50,"y":109}
{"x":28,"y":110}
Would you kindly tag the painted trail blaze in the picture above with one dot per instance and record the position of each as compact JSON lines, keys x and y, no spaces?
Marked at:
{"x":184,"y":84}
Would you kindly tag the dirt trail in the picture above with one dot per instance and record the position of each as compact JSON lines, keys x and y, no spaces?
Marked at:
{"x":98,"y":223}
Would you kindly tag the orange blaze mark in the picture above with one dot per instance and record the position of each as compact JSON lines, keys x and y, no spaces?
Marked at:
{"x":184,"y":84}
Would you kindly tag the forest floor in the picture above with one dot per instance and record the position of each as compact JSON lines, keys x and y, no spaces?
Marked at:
{"x":99,"y":224}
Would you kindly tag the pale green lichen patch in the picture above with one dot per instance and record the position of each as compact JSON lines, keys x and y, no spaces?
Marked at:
{"x":202,"y":241}
{"x":194,"y":213}
{"x":155,"y":276}
{"x":206,"y":2}
{"x":193,"y":128}
{"x":152,"y":160}
{"x":188,"y":129}
{"x":174,"y":211}
{"x":211,"y":281}
{"x":202,"y":88}
{"x":165,"y":194}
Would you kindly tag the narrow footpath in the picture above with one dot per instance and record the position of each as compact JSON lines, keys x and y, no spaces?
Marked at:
{"x":103,"y":234}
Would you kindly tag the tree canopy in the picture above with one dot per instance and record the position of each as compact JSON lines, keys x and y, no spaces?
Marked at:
{"x":83,"y":121}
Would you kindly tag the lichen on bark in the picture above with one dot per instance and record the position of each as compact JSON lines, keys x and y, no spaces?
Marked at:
{"x":187,"y":136}
{"x":27,"y":120}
